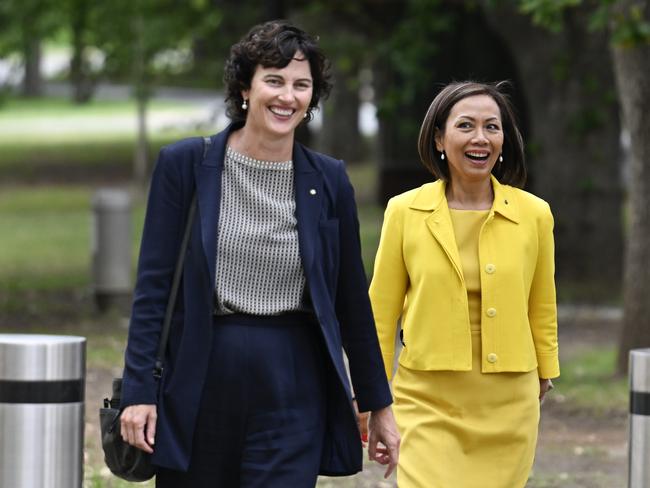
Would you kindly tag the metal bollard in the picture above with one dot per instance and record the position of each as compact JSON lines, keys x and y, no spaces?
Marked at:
{"x":111,"y":248}
{"x":639,"y":467}
{"x":42,"y":384}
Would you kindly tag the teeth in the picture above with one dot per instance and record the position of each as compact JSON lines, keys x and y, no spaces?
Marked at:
{"x":280,"y":111}
{"x":477,"y":155}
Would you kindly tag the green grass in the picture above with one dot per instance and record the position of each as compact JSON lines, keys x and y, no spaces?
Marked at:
{"x":53,"y":139}
{"x":46,"y":238}
{"x":46,"y":235}
{"x":588,"y":382}
{"x":101,"y":158}
{"x":370,"y":219}
{"x":37,"y":107}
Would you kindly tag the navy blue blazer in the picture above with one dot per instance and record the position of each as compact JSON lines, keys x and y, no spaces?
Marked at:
{"x":328,"y":233}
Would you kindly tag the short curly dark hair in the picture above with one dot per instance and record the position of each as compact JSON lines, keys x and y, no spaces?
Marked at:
{"x":512,"y":170}
{"x":272,"y":44}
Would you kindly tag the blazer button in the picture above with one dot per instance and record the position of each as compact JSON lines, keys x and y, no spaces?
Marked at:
{"x":490,"y":268}
{"x":312,"y":191}
{"x":491,"y":312}
{"x":492,"y":358}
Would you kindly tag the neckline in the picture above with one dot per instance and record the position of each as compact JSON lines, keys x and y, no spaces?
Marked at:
{"x":257,"y":163}
{"x":469,"y":210}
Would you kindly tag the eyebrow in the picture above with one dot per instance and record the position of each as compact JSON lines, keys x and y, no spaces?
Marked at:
{"x":461,"y":116}
{"x":274,"y":75}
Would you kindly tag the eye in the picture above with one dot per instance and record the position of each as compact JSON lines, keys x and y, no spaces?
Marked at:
{"x":493,"y":127}
{"x":274,"y":81}
{"x":464,"y":125}
{"x":303,"y":85}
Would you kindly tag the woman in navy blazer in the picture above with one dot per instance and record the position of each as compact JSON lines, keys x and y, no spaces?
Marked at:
{"x":250,"y":398}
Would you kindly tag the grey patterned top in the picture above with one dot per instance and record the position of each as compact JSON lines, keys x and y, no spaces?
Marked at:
{"x":259,"y":270}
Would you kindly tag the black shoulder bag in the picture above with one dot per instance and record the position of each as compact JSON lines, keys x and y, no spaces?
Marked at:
{"x":124,"y":460}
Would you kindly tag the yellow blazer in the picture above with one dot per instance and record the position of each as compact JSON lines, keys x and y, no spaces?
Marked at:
{"x":418,"y":277}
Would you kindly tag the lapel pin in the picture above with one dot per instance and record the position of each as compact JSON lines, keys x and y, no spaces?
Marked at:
{"x":312,"y":191}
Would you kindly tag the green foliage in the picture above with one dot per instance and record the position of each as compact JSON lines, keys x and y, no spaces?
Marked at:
{"x":129,"y":42}
{"x":409,"y":50}
{"x":628,"y":24}
{"x":24,"y":20}
{"x":601,"y":16}
{"x":547,"y":13}
{"x":630,"y":28}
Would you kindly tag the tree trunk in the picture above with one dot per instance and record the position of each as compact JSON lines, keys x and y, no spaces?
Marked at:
{"x":32,"y":81}
{"x":340,"y":135}
{"x":632,"y":65}
{"x":82,"y":85}
{"x":141,"y":156}
{"x":399,"y":164}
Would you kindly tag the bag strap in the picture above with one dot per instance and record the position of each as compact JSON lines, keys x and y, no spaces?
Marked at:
{"x":178,"y":271}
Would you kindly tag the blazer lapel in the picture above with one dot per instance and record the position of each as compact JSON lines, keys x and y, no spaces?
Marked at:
{"x":439,"y":224}
{"x":308,"y":188}
{"x":207,"y":175}
{"x":431,"y":198}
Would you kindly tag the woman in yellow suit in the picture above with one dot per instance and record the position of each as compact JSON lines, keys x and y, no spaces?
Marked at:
{"x":466,"y":264}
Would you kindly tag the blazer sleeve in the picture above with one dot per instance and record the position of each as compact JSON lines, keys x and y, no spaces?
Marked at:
{"x":542,"y":308}
{"x":162,"y":233}
{"x":389,"y":283}
{"x":353,"y":310}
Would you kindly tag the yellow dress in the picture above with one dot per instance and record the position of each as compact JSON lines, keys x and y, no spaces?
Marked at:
{"x":466,"y":429}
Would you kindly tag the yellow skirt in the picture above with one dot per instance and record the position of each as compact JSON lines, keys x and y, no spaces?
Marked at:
{"x":466,"y":429}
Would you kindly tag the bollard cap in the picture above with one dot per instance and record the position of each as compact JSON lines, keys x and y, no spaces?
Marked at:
{"x":36,"y":357}
{"x":111,"y":198}
{"x":640,"y":370}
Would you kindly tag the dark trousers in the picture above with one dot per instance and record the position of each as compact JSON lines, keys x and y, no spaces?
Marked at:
{"x":261,"y":419}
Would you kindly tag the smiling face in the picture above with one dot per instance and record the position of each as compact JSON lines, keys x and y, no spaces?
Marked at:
{"x":278,"y":98}
{"x":473,"y":139}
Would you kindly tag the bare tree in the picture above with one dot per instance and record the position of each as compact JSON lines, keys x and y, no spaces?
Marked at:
{"x":631,"y":53}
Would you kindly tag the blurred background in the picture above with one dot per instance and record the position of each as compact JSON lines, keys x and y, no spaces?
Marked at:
{"x":90,"y":90}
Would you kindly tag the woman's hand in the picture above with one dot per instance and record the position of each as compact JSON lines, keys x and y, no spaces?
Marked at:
{"x":138,"y":426}
{"x":362,"y":422}
{"x":545,"y":385}
{"x":383,"y":429}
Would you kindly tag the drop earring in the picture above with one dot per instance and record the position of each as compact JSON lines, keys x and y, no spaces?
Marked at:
{"x":501,"y":158}
{"x":244,"y":105}
{"x":442,"y":156}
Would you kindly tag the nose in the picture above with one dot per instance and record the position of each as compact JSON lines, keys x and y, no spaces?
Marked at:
{"x":287,"y":95}
{"x":479,"y":136}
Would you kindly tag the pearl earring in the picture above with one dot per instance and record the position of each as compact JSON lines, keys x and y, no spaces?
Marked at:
{"x":304,"y":116}
{"x":501,"y":158}
{"x":244,"y":104}
{"x":442,"y":156}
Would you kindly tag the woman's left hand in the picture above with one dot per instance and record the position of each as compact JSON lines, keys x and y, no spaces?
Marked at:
{"x":545,"y":385}
{"x":384,"y":439}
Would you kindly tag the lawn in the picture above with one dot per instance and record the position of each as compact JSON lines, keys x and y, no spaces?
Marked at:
{"x":55,"y":140}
